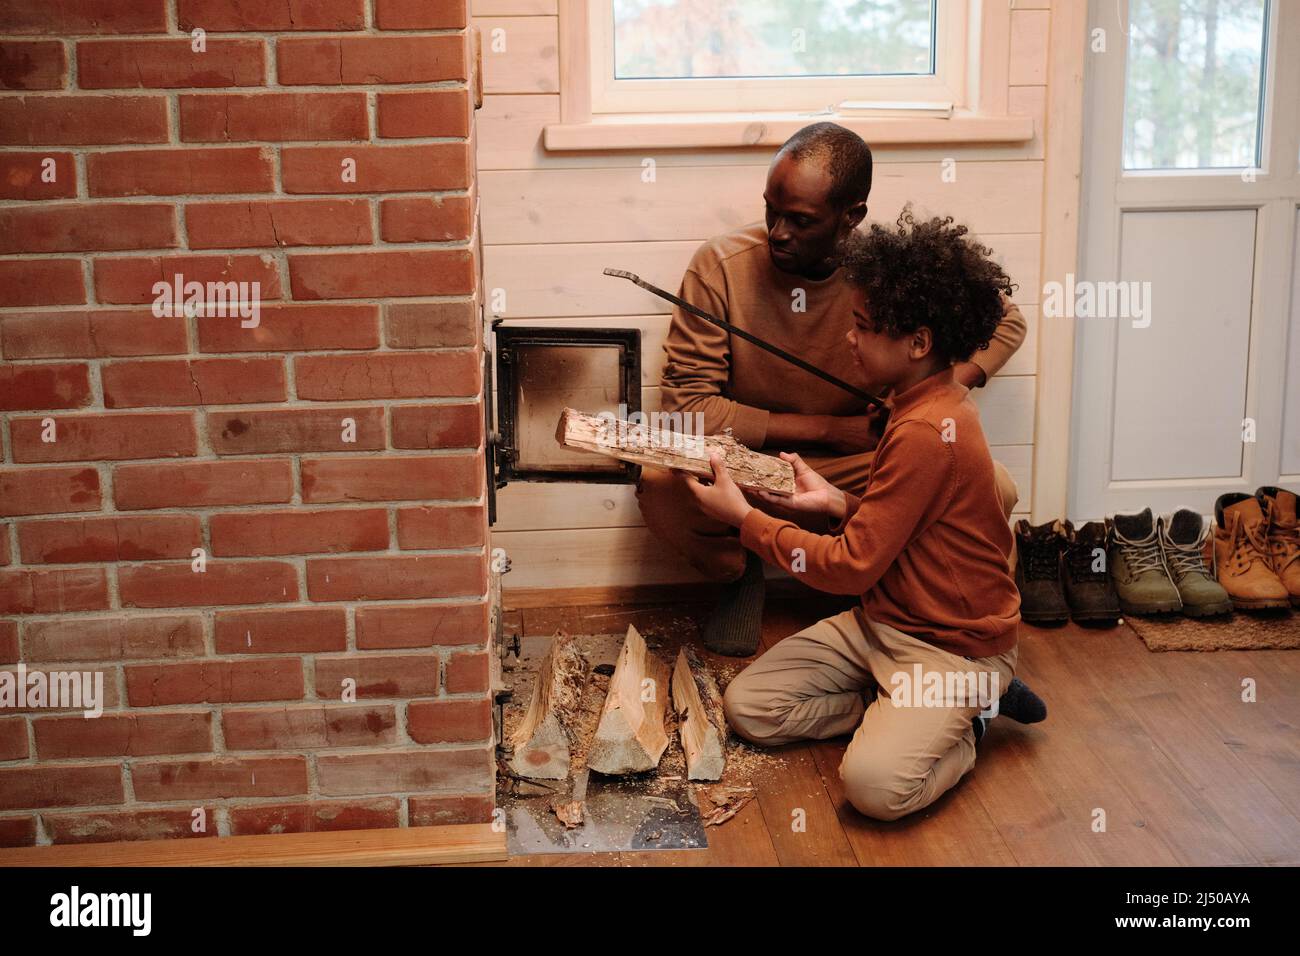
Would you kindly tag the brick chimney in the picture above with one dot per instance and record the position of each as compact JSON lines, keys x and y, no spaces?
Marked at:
{"x":265,"y":529}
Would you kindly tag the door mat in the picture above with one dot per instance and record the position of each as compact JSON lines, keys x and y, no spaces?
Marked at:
{"x":1241,"y":631}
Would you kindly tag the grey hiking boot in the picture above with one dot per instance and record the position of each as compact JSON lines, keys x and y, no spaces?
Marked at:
{"x":1137,"y":566}
{"x":1182,"y":539}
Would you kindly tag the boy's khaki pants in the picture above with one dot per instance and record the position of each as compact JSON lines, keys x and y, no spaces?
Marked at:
{"x":812,"y":685}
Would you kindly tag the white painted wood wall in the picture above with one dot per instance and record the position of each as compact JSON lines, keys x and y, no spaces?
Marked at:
{"x":551,"y":222}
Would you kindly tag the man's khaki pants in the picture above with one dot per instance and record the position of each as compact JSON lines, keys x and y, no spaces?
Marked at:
{"x":713,"y":547}
{"x":837,"y":677}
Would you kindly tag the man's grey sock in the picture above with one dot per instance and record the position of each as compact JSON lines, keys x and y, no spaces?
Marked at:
{"x":1021,"y":704}
{"x":736,"y":622}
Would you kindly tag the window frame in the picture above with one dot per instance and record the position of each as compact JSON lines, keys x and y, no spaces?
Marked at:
{"x":979,"y":115}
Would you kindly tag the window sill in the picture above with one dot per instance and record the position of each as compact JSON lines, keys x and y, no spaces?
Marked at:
{"x":730,"y":130}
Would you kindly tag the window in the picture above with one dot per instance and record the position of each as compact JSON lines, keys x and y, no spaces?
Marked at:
{"x":1193,"y":90}
{"x":737,"y":55}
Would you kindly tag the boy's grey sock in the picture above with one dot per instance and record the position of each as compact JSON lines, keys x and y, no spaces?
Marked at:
{"x":735,"y":624}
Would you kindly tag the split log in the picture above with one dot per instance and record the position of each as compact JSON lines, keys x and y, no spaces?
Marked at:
{"x":643,"y":445}
{"x":699,"y":714}
{"x":541,"y":741}
{"x":631,"y":737}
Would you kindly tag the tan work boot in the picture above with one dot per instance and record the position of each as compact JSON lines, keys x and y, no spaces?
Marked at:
{"x":1283,"y":534}
{"x":1241,"y":554}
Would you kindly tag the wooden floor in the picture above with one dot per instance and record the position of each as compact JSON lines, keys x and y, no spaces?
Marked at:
{"x":1185,"y":772}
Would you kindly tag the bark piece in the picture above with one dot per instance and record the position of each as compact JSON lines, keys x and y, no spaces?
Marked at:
{"x":541,"y":741}
{"x":718,"y":804}
{"x":631,"y":737}
{"x":699,"y":715}
{"x":568,"y":812}
{"x":643,"y":445}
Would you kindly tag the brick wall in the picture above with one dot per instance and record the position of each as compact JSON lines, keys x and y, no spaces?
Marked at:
{"x":324,"y":467}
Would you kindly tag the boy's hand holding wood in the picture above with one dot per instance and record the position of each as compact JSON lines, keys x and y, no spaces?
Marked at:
{"x":813,"y":494}
{"x":723,"y":499}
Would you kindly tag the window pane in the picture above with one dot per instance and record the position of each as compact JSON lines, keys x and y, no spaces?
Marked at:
{"x":682,"y":39}
{"x":1192,"y":94}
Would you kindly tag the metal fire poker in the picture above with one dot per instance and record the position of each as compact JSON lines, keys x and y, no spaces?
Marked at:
{"x":749,"y":337}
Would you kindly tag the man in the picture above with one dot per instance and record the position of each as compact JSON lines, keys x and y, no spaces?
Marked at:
{"x":780,"y":281}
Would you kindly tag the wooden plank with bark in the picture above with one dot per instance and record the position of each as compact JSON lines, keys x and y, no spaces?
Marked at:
{"x":630,"y":737}
{"x":699,"y":715}
{"x":541,"y":741}
{"x":643,"y":445}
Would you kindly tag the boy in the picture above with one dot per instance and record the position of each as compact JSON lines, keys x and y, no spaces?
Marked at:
{"x":926,"y":546}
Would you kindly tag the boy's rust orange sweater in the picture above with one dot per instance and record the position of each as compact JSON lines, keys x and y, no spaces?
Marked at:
{"x":927,"y":546}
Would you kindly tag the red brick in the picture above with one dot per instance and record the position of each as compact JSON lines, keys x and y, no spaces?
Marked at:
{"x":425,"y":219}
{"x":199,"y":484}
{"x":421,"y":625}
{"x":261,"y":533}
{"x":282,"y":630}
{"x":42,"y":491}
{"x":420,"y":14}
{"x":60,"y":120}
{"x":305,"y":222}
{"x":105,"y":436}
{"x":8,"y":642}
{"x":124,"y":825}
{"x":176,"y":172}
{"x":317,"y":816}
{"x":100,"y":673}
{"x":123,"y":735}
{"x":293,"y":328}
{"x":426,"y":113}
{"x":395,"y":577}
{"x":467,"y":673}
{"x":114,"y":638}
{"x":4,"y":546}
{"x":379,"y":169}
{"x":220,"y":777}
{"x":13,"y":737}
{"x":130,"y":281}
{"x":434,"y":527}
{"x":438,"y":426}
{"x":367,"y":60}
{"x":17,"y":831}
{"x":224,"y":582}
{"x":449,"y":811}
{"x":193,"y":382}
{"x":84,"y":334}
{"x":32,"y":65}
{"x":41,"y":282}
{"x":169,"y":64}
{"x":87,"y":227}
{"x":389,"y":478}
{"x":21,"y":176}
{"x":386,"y":375}
{"x":25,"y":591}
{"x":64,"y":17}
{"x":294,"y":430}
{"x":273,"y":117}
{"x":365,"y":275}
{"x":308,"y":726}
{"x":111,"y":539}
{"x":390,"y":772}
{"x":431,"y":325}
{"x":449,"y":721}
{"x":377,"y":676}
{"x":230,"y":16}
{"x":214,"y":682}
{"x":45,"y":786}
{"x":31,"y":387}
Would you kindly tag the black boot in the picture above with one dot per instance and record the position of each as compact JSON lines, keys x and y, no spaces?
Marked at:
{"x":735,"y":624}
{"x":1038,"y":572}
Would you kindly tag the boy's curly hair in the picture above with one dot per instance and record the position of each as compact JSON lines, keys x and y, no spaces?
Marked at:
{"x":929,"y":273}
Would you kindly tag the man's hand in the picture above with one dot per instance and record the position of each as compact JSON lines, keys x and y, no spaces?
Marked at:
{"x":723,"y":499}
{"x":813,"y":494}
{"x":968,"y":374}
{"x":854,"y":434}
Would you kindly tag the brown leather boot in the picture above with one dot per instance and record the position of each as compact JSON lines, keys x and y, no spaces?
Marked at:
{"x":1241,"y":554}
{"x":1283,"y":534}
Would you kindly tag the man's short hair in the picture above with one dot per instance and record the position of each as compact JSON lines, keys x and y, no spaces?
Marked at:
{"x":846,"y":155}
